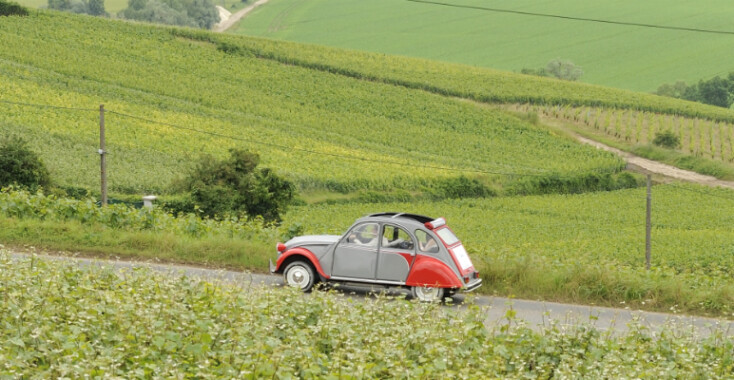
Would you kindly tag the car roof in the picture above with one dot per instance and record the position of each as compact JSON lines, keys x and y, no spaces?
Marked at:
{"x":398,"y":216}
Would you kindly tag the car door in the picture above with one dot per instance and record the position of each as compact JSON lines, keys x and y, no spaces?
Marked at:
{"x":355,"y":256}
{"x":396,"y":254}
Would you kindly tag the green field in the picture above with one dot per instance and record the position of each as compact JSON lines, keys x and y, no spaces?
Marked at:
{"x":62,"y":321}
{"x":623,"y":56}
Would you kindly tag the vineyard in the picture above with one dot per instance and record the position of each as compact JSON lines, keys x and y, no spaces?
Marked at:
{"x":315,"y":127}
{"x":698,"y":137}
{"x":585,"y":248}
{"x":62,"y":321}
{"x":588,"y":247}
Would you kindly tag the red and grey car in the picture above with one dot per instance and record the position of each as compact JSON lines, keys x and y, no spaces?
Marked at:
{"x":390,"y":249}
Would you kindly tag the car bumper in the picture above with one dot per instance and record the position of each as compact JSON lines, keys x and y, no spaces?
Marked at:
{"x":474,"y":285}
{"x":272,"y":266}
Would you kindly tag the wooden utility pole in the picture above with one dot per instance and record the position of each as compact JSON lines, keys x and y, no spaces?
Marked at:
{"x":102,"y":154}
{"x":648,"y":223}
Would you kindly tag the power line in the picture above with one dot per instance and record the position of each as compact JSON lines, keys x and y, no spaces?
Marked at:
{"x":700,"y":192}
{"x":678,"y":28}
{"x":284,"y":147}
{"x":47,"y":106}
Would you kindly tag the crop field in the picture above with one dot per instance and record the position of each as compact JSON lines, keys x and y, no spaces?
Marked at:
{"x":62,"y":321}
{"x":623,"y":56}
{"x":585,"y":248}
{"x":698,"y":137}
{"x":313,"y":126}
{"x":589,"y":246}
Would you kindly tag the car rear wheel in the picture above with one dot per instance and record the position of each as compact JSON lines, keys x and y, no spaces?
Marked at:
{"x":299,"y":274}
{"x":426,"y":294}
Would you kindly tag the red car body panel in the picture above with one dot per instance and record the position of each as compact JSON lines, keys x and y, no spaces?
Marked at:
{"x":298,"y":251}
{"x":427,"y":271}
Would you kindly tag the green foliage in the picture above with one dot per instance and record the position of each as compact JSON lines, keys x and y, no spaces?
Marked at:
{"x":666,"y":139}
{"x":462,"y":187}
{"x":715,"y":91}
{"x":563,"y":69}
{"x":60,"y":320}
{"x":232,"y":185}
{"x":20,"y":166}
{"x":347,"y":121}
{"x":8,"y":8}
{"x":193,"y":13}
{"x":555,"y":184}
{"x":584,"y":248}
{"x":90,"y":7}
{"x":23,"y":204}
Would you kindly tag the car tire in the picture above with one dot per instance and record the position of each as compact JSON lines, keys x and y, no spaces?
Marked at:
{"x":299,"y":274}
{"x":427,"y":294}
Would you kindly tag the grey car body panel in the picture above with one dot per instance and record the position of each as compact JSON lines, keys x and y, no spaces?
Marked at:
{"x":354,"y":261}
{"x":392,"y":266}
{"x":346,"y":261}
{"x":319,"y":245}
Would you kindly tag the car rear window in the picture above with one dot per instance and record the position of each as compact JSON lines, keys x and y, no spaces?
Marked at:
{"x":447,"y":236}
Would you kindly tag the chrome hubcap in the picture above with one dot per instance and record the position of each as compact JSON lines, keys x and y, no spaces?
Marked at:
{"x":427,"y":294}
{"x":298,"y":277}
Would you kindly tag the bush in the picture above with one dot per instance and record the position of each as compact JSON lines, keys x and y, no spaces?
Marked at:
{"x":565,"y":70}
{"x":20,"y":166}
{"x":234,"y":185}
{"x":462,"y":187}
{"x":666,"y":139}
{"x":12,"y":9}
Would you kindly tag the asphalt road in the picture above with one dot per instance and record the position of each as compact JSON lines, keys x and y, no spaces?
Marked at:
{"x":535,"y":313}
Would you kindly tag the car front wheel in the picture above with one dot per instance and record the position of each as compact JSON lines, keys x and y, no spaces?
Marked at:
{"x":299,"y":274}
{"x":426,"y":294}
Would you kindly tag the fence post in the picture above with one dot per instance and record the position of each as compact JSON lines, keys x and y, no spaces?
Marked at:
{"x":102,"y":154}
{"x":648,"y":224}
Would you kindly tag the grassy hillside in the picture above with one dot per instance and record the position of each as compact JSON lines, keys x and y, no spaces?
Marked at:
{"x":313,"y":126}
{"x":631,"y":57}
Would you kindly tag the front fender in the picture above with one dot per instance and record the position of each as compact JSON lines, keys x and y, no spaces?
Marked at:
{"x":298,"y":251}
{"x":428,"y":271}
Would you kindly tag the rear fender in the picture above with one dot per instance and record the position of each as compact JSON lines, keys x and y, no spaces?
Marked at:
{"x":299,"y":252}
{"x":428,"y":271}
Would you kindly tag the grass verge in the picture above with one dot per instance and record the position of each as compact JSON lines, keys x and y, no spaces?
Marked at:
{"x":103,"y":242}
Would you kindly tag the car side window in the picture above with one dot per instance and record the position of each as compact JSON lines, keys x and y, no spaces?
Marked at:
{"x":396,"y":238}
{"x":426,"y":243}
{"x":365,"y":234}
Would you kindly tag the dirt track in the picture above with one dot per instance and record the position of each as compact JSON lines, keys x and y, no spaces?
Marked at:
{"x":226,"y":24}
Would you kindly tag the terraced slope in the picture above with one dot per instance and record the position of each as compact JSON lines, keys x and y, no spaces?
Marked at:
{"x":321,"y":129}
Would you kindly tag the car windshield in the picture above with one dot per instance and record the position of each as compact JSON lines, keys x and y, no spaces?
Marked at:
{"x":447,"y":236}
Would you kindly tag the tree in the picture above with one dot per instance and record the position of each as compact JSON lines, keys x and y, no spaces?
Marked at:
{"x":90,"y":7}
{"x":676,"y":90}
{"x":12,"y":9}
{"x":715,"y":91}
{"x":193,"y":13}
{"x":20,"y":166}
{"x":232,"y":185}
{"x":565,"y":70}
